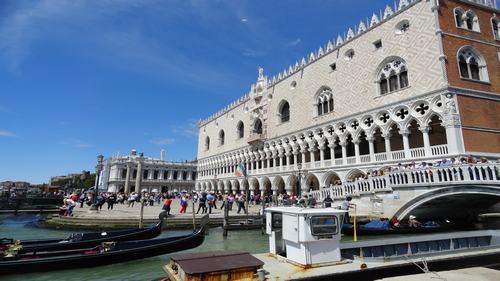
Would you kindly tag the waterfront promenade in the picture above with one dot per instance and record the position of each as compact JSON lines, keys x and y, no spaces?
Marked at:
{"x":121,"y":211}
{"x":123,"y":216}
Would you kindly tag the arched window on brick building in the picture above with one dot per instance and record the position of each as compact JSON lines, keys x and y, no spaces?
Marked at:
{"x":495,"y":25}
{"x":472,"y":65}
{"x":467,"y":20}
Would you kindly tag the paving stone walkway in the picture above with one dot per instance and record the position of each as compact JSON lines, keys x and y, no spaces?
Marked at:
{"x":122,"y":211}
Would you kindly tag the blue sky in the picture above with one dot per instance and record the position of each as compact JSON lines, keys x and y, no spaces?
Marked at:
{"x":79,"y":78}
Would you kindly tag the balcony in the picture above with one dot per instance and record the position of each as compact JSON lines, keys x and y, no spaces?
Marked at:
{"x":256,"y":138}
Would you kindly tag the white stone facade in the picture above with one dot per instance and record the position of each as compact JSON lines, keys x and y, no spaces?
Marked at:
{"x":121,"y":173}
{"x":363,"y":128}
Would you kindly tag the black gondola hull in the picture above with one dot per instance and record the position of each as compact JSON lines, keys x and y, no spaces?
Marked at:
{"x":58,"y":245}
{"x":120,"y":252}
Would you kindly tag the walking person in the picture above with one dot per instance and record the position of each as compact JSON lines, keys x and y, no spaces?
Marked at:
{"x":230,"y":201}
{"x":210,"y":201}
{"x":202,"y":204}
{"x":131,"y":200}
{"x":184,"y":204}
{"x":111,"y":201}
{"x":166,"y":205}
{"x":241,"y":203}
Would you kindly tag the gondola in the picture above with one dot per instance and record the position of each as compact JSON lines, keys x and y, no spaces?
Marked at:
{"x":107,"y":253}
{"x":84,"y":240}
{"x":348,"y":229}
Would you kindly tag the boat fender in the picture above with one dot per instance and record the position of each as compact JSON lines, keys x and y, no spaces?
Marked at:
{"x":104,"y":234}
{"x":363,"y":266}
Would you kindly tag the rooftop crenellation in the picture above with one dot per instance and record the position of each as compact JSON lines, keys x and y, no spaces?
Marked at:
{"x":352,"y":33}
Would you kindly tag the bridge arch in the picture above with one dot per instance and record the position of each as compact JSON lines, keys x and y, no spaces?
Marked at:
{"x":452,"y":201}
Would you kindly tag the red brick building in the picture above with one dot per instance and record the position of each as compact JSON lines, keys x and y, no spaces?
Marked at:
{"x":471,"y":47}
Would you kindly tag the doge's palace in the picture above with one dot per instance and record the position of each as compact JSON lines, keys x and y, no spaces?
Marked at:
{"x":396,"y":88}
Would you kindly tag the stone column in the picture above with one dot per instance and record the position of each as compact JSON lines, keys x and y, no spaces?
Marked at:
{"x":138,"y":179}
{"x":303,"y":158}
{"x":127,"y":178}
{"x":322,"y":154}
{"x":427,"y":143}
{"x":344,"y":151}
{"x":311,"y":153}
{"x":387,"y":142}
{"x":371,"y":148}
{"x":356,"y":150}
{"x":332,"y":152}
{"x":406,"y":143}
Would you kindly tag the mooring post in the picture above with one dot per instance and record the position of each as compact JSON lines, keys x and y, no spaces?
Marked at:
{"x":263,"y":217}
{"x":194,"y":215}
{"x":226,"y":215}
{"x":142,"y":212}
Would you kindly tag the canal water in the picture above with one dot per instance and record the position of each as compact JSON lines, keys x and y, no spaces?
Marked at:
{"x":27,"y":227}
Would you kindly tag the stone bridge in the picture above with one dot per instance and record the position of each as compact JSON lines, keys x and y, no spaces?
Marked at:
{"x":439,"y":192}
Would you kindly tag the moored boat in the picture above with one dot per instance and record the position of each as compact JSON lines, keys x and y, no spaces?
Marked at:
{"x":83,"y":240}
{"x":304,"y":244}
{"x":348,"y":229}
{"x":106,"y":253}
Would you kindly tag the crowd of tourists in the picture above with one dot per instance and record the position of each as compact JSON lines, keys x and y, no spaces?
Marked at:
{"x":412,"y":166}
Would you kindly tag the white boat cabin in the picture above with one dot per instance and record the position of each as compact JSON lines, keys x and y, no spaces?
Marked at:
{"x":306,"y":236}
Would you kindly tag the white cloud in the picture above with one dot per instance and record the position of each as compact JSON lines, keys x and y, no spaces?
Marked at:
{"x":244,"y":20}
{"x":7,"y":134}
{"x":77,"y":143}
{"x":162,"y":141}
{"x":252,"y":53}
{"x":294,"y":42}
{"x":189,"y":129}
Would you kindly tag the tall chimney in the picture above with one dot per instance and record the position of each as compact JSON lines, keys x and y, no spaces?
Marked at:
{"x":162,"y":155}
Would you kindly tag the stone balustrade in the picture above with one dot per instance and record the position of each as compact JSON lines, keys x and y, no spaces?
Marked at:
{"x":432,"y":176}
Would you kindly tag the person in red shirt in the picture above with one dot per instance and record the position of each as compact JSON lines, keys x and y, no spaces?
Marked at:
{"x":166,"y":205}
{"x":184,"y":204}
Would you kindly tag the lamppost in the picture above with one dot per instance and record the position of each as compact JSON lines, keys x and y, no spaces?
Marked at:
{"x":83,"y":177}
{"x":98,"y":169}
{"x":299,"y":178}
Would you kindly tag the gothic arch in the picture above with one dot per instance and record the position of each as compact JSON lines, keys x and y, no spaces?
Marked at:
{"x":311,"y":182}
{"x":207,"y":143}
{"x":471,"y":64}
{"x":330,"y":178}
{"x":284,"y":111}
{"x":392,"y":75}
{"x":279,"y":183}
{"x":354,"y":174}
{"x":266,"y":186}
{"x":240,"y":129}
